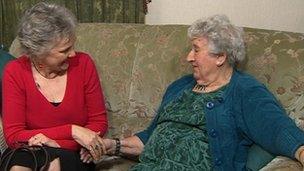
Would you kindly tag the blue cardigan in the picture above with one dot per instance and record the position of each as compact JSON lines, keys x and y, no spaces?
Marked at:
{"x":246,"y":113}
{"x":5,"y":57}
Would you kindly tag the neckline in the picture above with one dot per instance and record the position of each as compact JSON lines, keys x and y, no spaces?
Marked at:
{"x":29,"y":63}
{"x":223,"y":87}
{"x":55,"y":103}
{"x":40,"y":73}
{"x":202,"y":88}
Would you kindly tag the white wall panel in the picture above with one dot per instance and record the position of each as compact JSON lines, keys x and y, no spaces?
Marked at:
{"x":285,"y":15}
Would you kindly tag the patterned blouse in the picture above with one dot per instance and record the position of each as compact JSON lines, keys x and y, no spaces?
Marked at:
{"x":180,"y":140}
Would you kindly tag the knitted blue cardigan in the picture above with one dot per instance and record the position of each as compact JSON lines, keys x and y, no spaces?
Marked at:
{"x":247,"y":113}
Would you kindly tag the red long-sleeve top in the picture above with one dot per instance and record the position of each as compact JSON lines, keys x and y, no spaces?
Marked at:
{"x":26,"y":112}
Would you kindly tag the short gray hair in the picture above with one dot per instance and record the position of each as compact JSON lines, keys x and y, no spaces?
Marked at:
{"x":222,"y":37}
{"x":43,"y":25}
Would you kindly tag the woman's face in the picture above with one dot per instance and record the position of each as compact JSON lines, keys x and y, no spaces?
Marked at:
{"x":57,"y":59}
{"x":204,"y":64}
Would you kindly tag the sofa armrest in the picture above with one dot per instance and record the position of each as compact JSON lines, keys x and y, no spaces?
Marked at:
{"x":281,"y":163}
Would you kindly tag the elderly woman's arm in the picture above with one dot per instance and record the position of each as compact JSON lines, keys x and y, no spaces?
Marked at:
{"x":266,"y":123}
{"x":131,"y":146}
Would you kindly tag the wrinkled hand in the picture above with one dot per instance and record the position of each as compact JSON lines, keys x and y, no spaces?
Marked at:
{"x":110,"y":145}
{"x":40,"y":140}
{"x":97,"y":148}
{"x":89,"y":140}
{"x":83,"y":136}
{"x":85,"y":156}
{"x":105,"y":146}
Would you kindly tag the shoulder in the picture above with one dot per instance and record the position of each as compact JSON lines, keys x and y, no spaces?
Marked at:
{"x":248,"y":85}
{"x":245,"y":81}
{"x":17,"y":71}
{"x":182,"y":81}
{"x":82,"y":59}
{"x":82,"y":66}
{"x":178,"y":86}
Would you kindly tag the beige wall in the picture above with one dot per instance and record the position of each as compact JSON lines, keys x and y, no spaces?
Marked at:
{"x":285,"y":15}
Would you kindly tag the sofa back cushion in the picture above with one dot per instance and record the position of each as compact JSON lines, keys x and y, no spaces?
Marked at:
{"x":161,"y":58}
{"x":137,"y":62}
{"x":276,"y":58}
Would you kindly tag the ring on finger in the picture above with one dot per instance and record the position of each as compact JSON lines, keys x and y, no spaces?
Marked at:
{"x":96,"y":147}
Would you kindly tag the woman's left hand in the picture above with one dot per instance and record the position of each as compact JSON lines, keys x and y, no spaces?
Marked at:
{"x":40,"y":140}
{"x":89,"y":140}
{"x":84,"y":136}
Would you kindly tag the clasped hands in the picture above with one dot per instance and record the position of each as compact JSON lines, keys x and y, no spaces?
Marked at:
{"x":94,"y":147}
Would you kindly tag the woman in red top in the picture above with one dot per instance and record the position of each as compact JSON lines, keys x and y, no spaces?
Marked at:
{"x":52,"y":95}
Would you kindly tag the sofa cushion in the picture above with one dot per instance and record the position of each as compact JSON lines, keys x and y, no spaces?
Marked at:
{"x":276,"y":59}
{"x":159,"y":60}
{"x":113,"y":48}
{"x":283,"y":164}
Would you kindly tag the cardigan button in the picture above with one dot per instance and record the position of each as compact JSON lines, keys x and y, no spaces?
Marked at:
{"x":213,"y":133}
{"x":210,"y":105}
{"x":217,"y":162}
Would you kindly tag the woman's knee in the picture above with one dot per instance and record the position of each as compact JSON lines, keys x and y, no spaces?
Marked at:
{"x":55,"y":165}
{"x":20,"y":168}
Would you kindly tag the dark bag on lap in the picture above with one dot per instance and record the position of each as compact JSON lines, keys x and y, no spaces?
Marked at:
{"x":6,"y":158}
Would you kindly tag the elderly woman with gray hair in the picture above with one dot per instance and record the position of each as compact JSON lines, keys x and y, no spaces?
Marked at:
{"x":208,"y":120}
{"x":52,"y":95}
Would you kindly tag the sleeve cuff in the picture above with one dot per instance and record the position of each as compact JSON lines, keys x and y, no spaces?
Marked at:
{"x":290,"y":140}
{"x":143,"y":136}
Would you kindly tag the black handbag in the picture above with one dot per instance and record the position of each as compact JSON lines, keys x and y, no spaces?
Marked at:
{"x":6,"y":158}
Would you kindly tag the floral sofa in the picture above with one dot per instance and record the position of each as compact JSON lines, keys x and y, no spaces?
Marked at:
{"x":136,"y":63}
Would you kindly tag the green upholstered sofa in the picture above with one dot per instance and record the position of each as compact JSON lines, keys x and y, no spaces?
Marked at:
{"x":136,"y":63}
